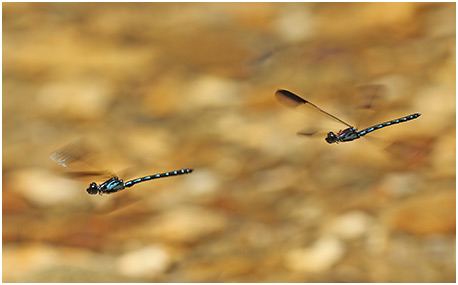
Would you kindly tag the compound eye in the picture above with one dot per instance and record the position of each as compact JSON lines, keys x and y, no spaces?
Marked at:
{"x":93,"y":189}
{"x":331,"y":138}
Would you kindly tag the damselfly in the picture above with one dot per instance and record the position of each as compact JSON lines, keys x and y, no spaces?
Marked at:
{"x":351,"y":133}
{"x":69,"y":154}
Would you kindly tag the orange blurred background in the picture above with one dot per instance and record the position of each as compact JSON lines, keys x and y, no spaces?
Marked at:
{"x":154,"y":87}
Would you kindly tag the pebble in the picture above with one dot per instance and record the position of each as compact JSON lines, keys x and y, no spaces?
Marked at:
{"x":145,"y":262}
{"x":401,"y":184}
{"x":30,"y":258}
{"x":426,"y":214}
{"x":350,"y":225}
{"x":294,"y":24}
{"x":85,"y":99}
{"x":187,"y":224}
{"x":319,"y":257}
{"x":203,"y":181}
{"x":43,"y":188}
{"x":213,"y":91}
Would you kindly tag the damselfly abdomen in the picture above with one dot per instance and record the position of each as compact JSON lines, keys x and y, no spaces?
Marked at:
{"x":349,"y":134}
{"x":72,"y":152}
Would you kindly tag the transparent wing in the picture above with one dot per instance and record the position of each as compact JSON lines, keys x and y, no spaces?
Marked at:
{"x":292,"y":100}
{"x":369,"y":102}
{"x":76,"y":157}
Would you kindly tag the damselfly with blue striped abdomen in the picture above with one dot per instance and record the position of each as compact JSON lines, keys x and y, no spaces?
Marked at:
{"x":349,"y":134}
{"x":72,"y":152}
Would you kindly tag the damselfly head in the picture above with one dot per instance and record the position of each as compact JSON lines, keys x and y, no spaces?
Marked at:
{"x":332,"y":138}
{"x":93,"y":189}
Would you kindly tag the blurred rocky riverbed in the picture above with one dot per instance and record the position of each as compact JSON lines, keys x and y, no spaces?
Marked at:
{"x":154,"y":87}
